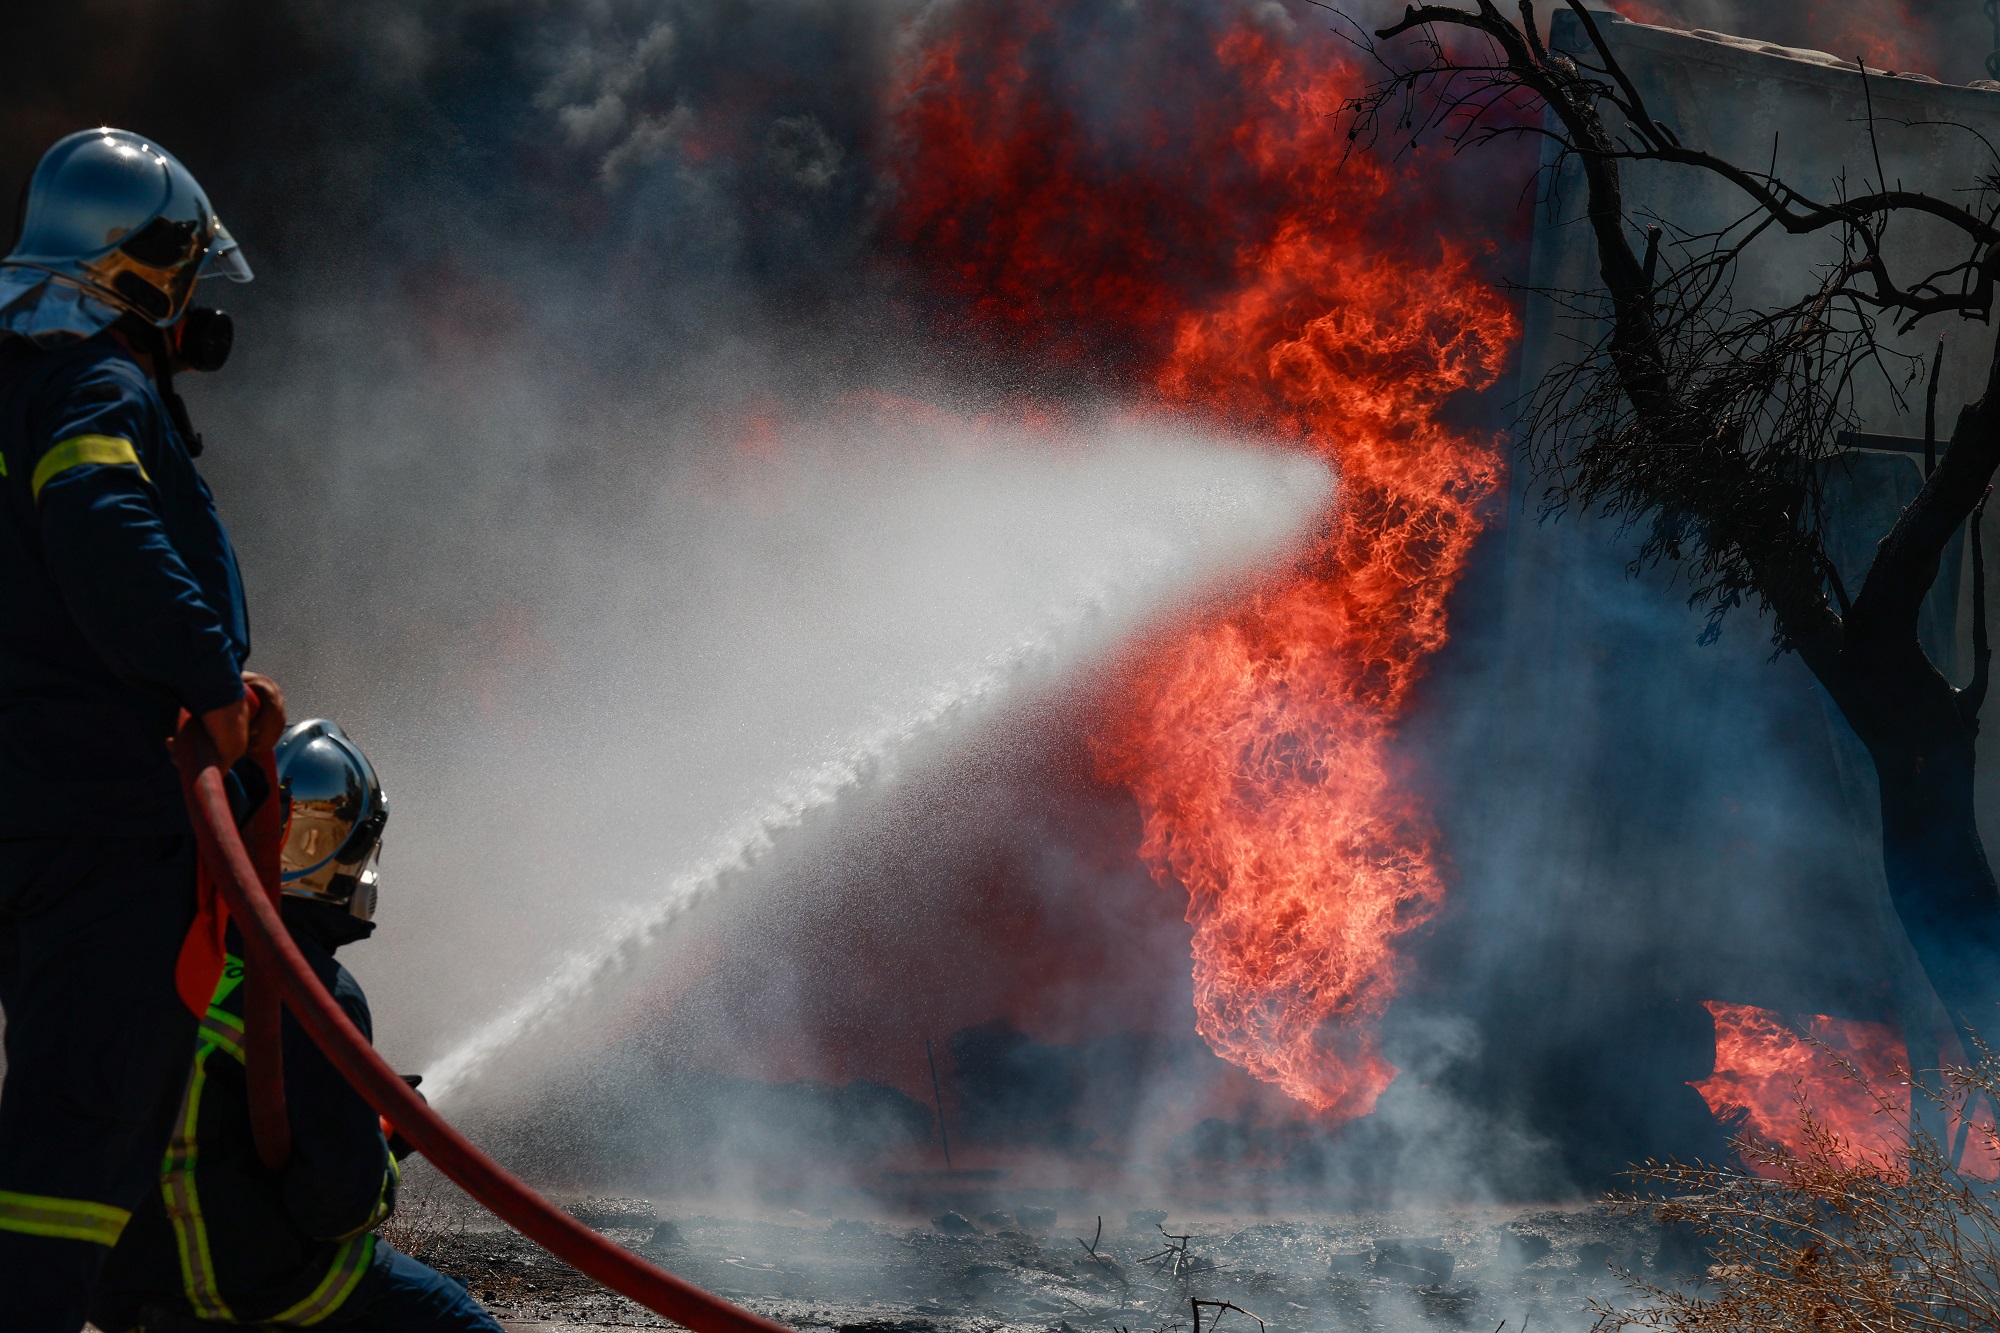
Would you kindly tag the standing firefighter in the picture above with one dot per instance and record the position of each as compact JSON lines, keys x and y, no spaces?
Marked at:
{"x":121,"y":607}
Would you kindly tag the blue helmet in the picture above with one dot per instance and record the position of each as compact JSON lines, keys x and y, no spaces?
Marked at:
{"x":114,"y":226}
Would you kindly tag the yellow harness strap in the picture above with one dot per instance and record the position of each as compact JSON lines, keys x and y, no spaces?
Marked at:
{"x":222,"y":1031}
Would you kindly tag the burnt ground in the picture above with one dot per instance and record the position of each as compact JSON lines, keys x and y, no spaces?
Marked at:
{"x":1534,"y":1269}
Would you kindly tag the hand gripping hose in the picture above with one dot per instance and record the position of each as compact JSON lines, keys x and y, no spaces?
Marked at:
{"x":272,"y":952}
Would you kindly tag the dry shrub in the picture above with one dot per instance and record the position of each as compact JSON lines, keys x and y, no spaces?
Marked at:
{"x":428,"y":1214}
{"x":1820,"y":1236}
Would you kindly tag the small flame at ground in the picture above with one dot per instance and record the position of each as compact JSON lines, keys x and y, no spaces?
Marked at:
{"x":1764,"y":1068}
{"x":1234,"y":261}
{"x":1853,"y":1075}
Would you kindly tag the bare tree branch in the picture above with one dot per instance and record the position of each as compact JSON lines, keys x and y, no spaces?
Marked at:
{"x":1708,"y":428}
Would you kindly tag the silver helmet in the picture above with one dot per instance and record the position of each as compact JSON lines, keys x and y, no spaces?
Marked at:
{"x":337,"y":814}
{"x":114,"y":225}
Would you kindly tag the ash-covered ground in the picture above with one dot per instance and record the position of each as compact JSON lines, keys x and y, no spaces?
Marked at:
{"x":1478,"y":1269}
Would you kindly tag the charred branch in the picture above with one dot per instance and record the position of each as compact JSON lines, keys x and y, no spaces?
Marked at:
{"x":1221,"y":1307}
{"x":1906,"y":561}
{"x":1702,"y":425}
{"x":1103,"y":1261}
{"x":1974,"y":694}
{"x":1930,"y":411}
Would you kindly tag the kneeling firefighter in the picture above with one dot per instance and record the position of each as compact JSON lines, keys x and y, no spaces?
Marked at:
{"x":121,"y":609}
{"x":224,"y":1239}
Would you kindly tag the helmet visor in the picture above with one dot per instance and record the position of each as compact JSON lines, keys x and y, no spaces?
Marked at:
{"x":224,"y":258}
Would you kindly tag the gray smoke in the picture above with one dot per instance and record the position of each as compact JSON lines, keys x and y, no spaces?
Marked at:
{"x":594,"y":472}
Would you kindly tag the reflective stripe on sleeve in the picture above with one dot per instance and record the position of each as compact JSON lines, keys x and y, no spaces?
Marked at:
{"x":350,"y":1262}
{"x":85,"y":451}
{"x":64,"y":1219}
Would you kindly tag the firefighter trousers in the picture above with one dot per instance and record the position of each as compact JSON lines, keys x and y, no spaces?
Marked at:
{"x":98,"y":1045}
{"x":401,"y":1295}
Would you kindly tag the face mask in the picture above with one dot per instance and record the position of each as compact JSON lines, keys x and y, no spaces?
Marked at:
{"x":204,"y":339}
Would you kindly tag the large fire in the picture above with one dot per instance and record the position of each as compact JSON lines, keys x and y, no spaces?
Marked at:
{"x":1215,"y":246}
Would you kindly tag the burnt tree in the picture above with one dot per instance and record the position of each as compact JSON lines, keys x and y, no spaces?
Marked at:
{"x":1706,"y":428}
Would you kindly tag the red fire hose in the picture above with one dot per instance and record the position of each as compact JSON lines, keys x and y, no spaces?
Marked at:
{"x":272,"y":953}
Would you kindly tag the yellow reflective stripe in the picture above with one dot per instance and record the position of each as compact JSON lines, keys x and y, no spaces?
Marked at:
{"x":64,"y":1219}
{"x":384,"y":1204}
{"x":231,"y":978}
{"x":184,"y":1204}
{"x":350,"y":1262}
{"x":85,"y":451}
{"x":223,"y":1031}
{"x":220,"y":1028}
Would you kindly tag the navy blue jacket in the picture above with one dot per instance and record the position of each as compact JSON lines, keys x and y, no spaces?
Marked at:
{"x":225,"y":1238}
{"x":122,"y":602}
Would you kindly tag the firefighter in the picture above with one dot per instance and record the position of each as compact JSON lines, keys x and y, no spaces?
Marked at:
{"x":224,"y":1238}
{"x":121,"y":607}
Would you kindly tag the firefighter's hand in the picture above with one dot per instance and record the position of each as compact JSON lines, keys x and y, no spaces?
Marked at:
{"x":228,"y":729}
{"x":268,"y":722}
{"x":400,"y":1147}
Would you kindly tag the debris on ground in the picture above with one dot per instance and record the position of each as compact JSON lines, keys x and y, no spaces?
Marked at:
{"x":1319,"y":1274}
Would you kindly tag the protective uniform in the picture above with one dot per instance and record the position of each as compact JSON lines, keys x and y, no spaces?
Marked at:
{"x":122,"y":605}
{"x":222,"y":1237}
{"x":226,"y":1239}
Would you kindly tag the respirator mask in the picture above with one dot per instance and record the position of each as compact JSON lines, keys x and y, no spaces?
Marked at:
{"x":203,"y":338}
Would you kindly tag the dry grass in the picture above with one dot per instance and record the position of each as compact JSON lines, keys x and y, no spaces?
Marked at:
{"x":428,"y":1213}
{"x":1824,"y":1238}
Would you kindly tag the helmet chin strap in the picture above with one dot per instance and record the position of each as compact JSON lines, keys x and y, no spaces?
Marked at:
{"x":160,"y":344}
{"x":177,"y":408}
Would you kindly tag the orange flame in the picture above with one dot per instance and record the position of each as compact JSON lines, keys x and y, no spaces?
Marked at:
{"x":1767,"y":1064}
{"x":1250,"y":271}
{"x":1764,"y":1067}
